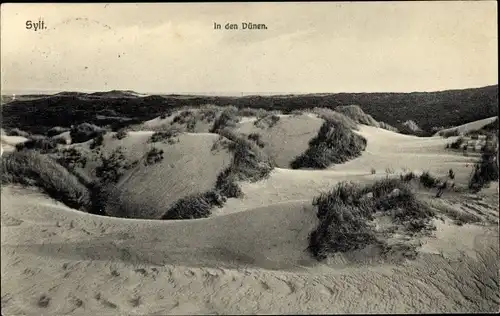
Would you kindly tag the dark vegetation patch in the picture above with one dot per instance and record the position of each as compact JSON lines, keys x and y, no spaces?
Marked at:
{"x":83,"y":132}
{"x":428,"y":180}
{"x":97,"y":141}
{"x":153,"y":156}
{"x":187,"y":118}
{"x":168,"y":136}
{"x":249,"y":163}
{"x":344,"y":213}
{"x":486,"y":170}
{"x":257,"y":138}
{"x":267,"y":121}
{"x":43,"y":301}
{"x":166,"y":114}
{"x":335,"y":143}
{"x":208,"y":114}
{"x":227,"y":119}
{"x":30,"y":168}
{"x":195,"y":206}
{"x":71,"y":158}
{"x":113,"y":166}
{"x":120,"y":134}
{"x":457,"y":144}
{"x":40,"y":143}
{"x":17,"y":132}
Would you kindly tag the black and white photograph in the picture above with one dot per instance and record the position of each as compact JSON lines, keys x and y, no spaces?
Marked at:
{"x":237,"y":158}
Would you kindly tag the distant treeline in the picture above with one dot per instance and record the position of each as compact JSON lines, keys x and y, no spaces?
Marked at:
{"x":428,"y":109}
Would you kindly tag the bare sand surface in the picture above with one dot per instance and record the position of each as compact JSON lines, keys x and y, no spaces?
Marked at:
{"x":87,"y":264}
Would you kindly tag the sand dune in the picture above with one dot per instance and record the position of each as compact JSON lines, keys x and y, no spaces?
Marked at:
{"x":189,"y":166}
{"x":287,"y":139}
{"x":472,"y":126}
{"x":250,"y":256}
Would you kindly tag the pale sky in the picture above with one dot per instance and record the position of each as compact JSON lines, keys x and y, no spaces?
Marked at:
{"x":307,"y":48}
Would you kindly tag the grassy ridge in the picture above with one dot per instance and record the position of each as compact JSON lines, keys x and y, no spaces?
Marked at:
{"x":31,"y":168}
{"x":335,"y":143}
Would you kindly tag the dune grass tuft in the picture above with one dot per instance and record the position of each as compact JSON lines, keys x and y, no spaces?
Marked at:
{"x":83,"y":132}
{"x":344,"y":213}
{"x":31,"y":168}
{"x":167,"y":136}
{"x":153,"y":156}
{"x":40,"y":143}
{"x":485,"y":171}
{"x":428,"y":180}
{"x":335,"y":143}
{"x":113,"y":166}
{"x":267,"y":121}
{"x":227,"y":119}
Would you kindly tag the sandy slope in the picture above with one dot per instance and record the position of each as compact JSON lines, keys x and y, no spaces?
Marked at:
{"x":472,"y":126}
{"x":287,"y":139}
{"x":189,"y":166}
{"x":91,"y":265}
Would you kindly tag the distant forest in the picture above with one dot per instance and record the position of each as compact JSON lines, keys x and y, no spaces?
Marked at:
{"x":430,"y":110}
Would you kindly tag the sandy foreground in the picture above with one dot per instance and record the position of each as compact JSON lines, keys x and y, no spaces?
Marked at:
{"x":250,"y":257}
{"x":87,"y":265}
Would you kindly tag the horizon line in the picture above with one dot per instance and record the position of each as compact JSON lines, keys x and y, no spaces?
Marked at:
{"x":53,"y":92}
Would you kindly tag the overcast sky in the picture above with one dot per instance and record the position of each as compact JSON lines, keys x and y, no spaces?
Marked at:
{"x":307,"y":48}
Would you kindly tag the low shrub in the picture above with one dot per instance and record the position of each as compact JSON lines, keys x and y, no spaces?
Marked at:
{"x":183,"y":117}
{"x":120,"y":134}
{"x":208,"y":114}
{"x":451,"y":174}
{"x":71,"y":158}
{"x":485,"y":171}
{"x":39,"y":143}
{"x":335,"y":143}
{"x":457,"y":144}
{"x":257,"y":139}
{"x":407,"y":177}
{"x":373,"y":171}
{"x":428,"y":180}
{"x":166,"y":114}
{"x":344,"y":211}
{"x":194,"y":206}
{"x":97,"y":141}
{"x":84,"y":132}
{"x":153,"y":156}
{"x":267,"y":121}
{"x":113,"y":166}
{"x":166,"y":136}
{"x":31,"y":168}
{"x":227,"y":119}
